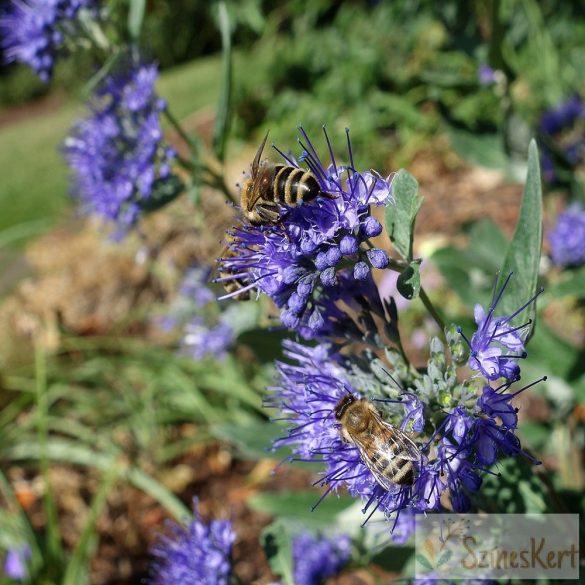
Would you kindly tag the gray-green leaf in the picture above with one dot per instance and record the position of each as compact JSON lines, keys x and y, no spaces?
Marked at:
{"x":135,"y":17}
{"x":401,"y":216}
{"x":523,"y":254}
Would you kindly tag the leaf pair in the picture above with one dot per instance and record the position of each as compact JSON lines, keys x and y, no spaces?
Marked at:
{"x":522,"y":256}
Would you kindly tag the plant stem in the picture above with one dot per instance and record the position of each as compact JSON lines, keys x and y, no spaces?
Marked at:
{"x":53,"y":541}
{"x":191,"y":143}
{"x":431,"y":309}
{"x":217,"y":180}
{"x":82,"y":550}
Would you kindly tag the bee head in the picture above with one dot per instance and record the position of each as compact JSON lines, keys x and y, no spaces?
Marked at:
{"x":342,"y":405}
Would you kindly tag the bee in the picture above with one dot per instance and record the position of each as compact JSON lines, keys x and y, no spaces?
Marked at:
{"x":231,"y":282}
{"x":272,"y":185}
{"x":386,"y":451}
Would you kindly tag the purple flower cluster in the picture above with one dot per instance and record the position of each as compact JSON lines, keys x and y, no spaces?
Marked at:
{"x":496,"y":346}
{"x":202,"y":340}
{"x":307,"y":395}
{"x":34,"y":31}
{"x":194,"y":554}
{"x":563,"y":131}
{"x":473,"y":434}
{"x":117,"y":154}
{"x":318,"y":251}
{"x":206,"y":330}
{"x":567,"y":239}
{"x":475,"y":426}
{"x":317,"y":559}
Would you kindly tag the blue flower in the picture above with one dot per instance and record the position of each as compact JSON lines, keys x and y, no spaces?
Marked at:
{"x":317,"y":559}
{"x":496,"y":346}
{"x":316,"y":250}
{"x":194,"y":554}
{"x":563,"y":133}
{"x":471,"y":427}
{"x":15,"y":563}
{"x":307,"y":394}
{"x":474,"y":435}
{"x":202,"y":340}
{"x":117,"y":154}
{"x":206,"y":325}
{"x":34,"y":31}
{"x":567,"y":239}
{"x":563,"y":115}
{"x":486,"y":75}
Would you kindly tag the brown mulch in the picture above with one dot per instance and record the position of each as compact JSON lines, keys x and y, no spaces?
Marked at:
{"x":457,"y":193}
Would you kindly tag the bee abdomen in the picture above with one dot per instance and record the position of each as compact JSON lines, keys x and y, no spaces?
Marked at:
{"x":293,"y":185}
{"x":400,"y":471}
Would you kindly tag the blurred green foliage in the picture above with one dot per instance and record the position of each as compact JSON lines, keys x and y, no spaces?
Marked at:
{"x":397,"y":72}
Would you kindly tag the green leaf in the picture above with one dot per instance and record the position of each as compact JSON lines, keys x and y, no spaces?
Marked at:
{"x":85,"y":545}
{"x":523,"y":255}
{"x":394,"y":559}
{"x":253,"y":440}
{"x":298,"y":506}
{"x":488,"y":244}
{"x":486,"y":150}
{"x":222,"y":115}
{"x":266,"y":345}
{"x":401,"y":215}
{"x":276,"y":540}
{"x":536,"y":434}
{"x":408,"y":283}
{"x":165,"y":191}
{"x":572,"y":285}
{"x":78,"y":454}
{"x":514,"y":489}
{"x":136,"y":17}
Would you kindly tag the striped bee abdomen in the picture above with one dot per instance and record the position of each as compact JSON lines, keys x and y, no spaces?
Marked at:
{"x":397,"y":469}
{"x":401,"y":471}
{"x":292,"y":185}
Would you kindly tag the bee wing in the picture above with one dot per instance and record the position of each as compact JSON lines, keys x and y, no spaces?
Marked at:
{"x":256,"y":163}
{"x":385,"y":444}
{"x":263,"y":184}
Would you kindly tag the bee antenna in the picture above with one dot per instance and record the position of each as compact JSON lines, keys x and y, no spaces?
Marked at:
{"x":400,"y":387}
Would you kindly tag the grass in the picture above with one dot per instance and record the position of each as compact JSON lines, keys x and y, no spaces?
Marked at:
{"x":34,"y":189}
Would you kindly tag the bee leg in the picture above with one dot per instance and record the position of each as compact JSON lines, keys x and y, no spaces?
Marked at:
{"x":268,"y":213}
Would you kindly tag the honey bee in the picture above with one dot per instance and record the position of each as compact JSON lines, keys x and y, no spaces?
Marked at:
{"x":231,"y":282}
{"x":272,"y":185}
{"x":386,"y":451}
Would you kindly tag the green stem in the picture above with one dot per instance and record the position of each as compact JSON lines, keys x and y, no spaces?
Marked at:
{"x":402,"y":352}
{"x":54,"y":548}
{"x":81,"y":552}
{"x":191,"y":143}
{"x":217,"y":180}
{"x":222,"y":116}
{"x":431,"y":309}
